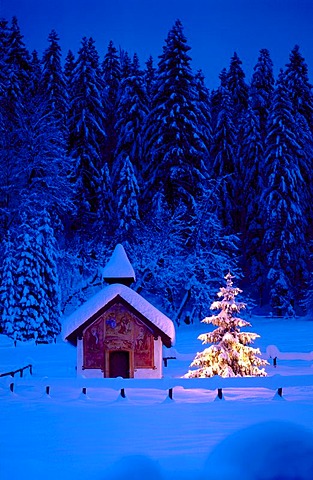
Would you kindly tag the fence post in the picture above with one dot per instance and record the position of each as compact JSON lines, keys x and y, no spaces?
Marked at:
{"x":12,"y":387}
{"x":48,"y":390}
{"x":84,"y":391}
{"x":170,"y":393}
{"x":280,"y":391}
{"x":220,"y":393}
{"x":123,"y":395}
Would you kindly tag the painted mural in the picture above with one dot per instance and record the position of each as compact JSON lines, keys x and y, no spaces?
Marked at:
{"x":118,"y":329}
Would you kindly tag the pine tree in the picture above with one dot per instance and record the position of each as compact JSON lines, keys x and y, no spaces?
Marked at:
{"x":32,"y":310}
{"x":111,"y":77}
{"x":231,"y":354}
{"x":250,"y":186}
{"x":4,"y":65}
{"x":43,"y":165}
{"x":131,"y":113}
{"x":203,"y":97}
{"x":224,"y":149}
{"x":216,"y":97}
{"x":301,"y":96}
{"x":149,"y":76}
{"x":237,"y":87}
{"x":37,"y":312}
{"x":261,"y":88}
{"x":300,"y":89}
{"x":86,"y":130}
{"x":127,"y":198}
{"x":49,"y":275}
{"x":53,"y":82}
{"x":106,"y":214}
{"x":8,"y":287}
{"x":18,"y":62}
{"x":69,"y":66}
{"x":284,"y":202}
{"x":175,"y":152}
{"x":35,"y":74}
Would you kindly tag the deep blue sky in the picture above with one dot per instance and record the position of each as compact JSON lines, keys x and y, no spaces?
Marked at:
{"x":214,"y":28}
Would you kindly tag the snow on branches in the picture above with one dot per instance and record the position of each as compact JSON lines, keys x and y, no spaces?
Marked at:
{"x":231,"y":354}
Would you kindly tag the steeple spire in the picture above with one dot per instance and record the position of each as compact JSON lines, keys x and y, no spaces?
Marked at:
{"x":119,"y":269}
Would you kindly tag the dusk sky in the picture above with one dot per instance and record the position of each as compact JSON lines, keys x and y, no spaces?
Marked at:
{"x":214,"y":28}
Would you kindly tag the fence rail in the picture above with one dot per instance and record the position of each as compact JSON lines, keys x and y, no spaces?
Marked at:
{"x":12,"y":373}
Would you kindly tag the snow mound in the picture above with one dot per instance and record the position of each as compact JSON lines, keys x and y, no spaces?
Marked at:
{"x":6,"y":341}
{"x":273,"y":450}
{"x":134,"y":467}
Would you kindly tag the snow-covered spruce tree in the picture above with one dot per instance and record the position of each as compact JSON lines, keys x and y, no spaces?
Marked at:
{"x":53,"y":81}
{"x":131,"y":113}
{"x":231,"y":354}
{"x":224,"y":159}
{"x":49,"y":275}
{"x":86,"y":132}
{"x":175,"y":154}
{"x":248,"y":208}
{"x":32,"y":310}
{"x":8,"y":287}
{"x":261,"y":88}
{"x":127,"y":198}
{"x":237,"y":87}
{"x":284,"y":203}
{"x":298,"y":84}
{"x":111,"y":77}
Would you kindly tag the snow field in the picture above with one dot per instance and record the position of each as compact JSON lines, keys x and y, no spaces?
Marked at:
{"x":100,"y":435}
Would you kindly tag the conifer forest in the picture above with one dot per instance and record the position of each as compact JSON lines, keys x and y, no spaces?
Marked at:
{"x":192,"y":182}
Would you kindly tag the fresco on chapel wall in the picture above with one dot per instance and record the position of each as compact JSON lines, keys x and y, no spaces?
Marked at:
{"x":93,"y":345}
{"x":118,"y":329}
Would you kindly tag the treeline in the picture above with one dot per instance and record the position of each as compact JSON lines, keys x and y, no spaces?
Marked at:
{"x":193,"y":182}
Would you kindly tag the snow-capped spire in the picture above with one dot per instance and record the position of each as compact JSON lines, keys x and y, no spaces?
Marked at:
{"x":119,"y":269}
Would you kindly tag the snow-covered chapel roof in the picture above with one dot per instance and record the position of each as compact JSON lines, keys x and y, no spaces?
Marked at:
{"x":96,"y":303}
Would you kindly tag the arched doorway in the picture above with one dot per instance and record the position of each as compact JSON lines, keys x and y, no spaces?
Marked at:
{"x":119,"y":364}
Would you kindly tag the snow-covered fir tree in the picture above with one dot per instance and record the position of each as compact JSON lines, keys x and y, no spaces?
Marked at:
{"x":53,"y":83}
{"x":299,"y":86}
{"x":131,"y":113}
{"x":224,"y":159}
{"x":174,"y":151}
{"x":111,"y":76}
{"x":8,"y":287}
{"x":237,"y":87}
{"x":231,"y":354}
{"x":261,"y":87}
{"x":32,"y":310}
{"x":284,"y":200}
{"x":86,"y":131}
{"x":49,"y":275}
{"x":37,"y":312}
{"x":127,"y":197}
{"x":149,"y":74}
{"x":250,"y":185}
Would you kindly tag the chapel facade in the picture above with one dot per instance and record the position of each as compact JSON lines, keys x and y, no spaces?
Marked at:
{"x":117,"y":332}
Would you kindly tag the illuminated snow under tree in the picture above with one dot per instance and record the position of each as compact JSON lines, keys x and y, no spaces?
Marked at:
{"x":231,"y":354}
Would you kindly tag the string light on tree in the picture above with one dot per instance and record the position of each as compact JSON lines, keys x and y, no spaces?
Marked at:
{"x":231,"y":354}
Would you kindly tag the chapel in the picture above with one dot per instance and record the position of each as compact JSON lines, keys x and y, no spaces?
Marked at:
{"x":117,"y":332}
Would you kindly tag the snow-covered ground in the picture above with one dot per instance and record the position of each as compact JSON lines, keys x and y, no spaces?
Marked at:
{"x":251,"y":434}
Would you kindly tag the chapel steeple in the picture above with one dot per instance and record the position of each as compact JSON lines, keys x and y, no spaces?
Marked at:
{"x":119,"y":269}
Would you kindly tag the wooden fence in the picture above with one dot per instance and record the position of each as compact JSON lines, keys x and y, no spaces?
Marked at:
{"x":12,"y":373}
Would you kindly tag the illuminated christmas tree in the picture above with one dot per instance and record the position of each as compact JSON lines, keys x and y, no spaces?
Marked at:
{"x":230,"y":355}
